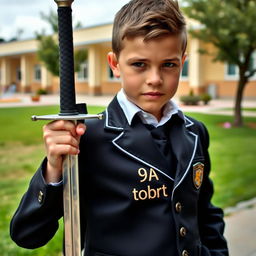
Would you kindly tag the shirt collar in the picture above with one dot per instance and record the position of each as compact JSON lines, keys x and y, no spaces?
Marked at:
{"x":130,"y":110}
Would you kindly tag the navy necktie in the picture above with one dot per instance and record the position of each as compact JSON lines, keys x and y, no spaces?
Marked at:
{"x":161,"y":136}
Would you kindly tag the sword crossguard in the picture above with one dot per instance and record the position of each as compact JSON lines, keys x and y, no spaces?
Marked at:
{"x":68,"y":118}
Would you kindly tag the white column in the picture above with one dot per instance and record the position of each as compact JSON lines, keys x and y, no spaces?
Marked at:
{"x":195,"y":77}
{"x":5,"y":72}
{"x":94,"y":65}
{"x":26,"y":71}
{"x":46,"y":77}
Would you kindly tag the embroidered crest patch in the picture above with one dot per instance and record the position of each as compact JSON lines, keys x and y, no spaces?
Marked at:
{"x":198,"y":174}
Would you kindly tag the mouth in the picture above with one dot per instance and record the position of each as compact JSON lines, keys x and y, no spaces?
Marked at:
{"x":153,"y":94}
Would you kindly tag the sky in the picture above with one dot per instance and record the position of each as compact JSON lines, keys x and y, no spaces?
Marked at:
{"x":25,"y":15}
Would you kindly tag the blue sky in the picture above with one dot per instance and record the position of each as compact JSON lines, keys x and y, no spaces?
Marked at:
{"x":25,"y":14}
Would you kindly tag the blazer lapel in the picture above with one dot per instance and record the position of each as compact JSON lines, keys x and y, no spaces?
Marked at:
{"x":134,"y":141}
{"x":184,"y":144}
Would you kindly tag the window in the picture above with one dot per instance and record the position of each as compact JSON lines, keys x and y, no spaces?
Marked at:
{"x":232,"y":71}
{"x":184,"y":73}
{"x":18,"y":74}
{"x":253,"y":64}
{"x":37,"y":72}
{"x":82,"y":74}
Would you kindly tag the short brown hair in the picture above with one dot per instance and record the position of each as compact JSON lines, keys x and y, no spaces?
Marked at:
{"x":150,"y":19}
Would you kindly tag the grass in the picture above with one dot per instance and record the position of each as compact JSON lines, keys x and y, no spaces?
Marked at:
{"x":232,"y":154}
{"x":21,"y":151}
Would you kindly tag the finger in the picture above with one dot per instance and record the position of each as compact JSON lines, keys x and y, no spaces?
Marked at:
{"x":57,"y":150}
{"x":63,"y":139}
{"x":61,"y":125}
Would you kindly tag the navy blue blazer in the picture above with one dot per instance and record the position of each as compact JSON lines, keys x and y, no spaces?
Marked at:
{"x":130,"y":203}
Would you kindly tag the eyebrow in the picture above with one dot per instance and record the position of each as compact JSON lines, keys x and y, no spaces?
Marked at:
{"x":138,"y":59}
{"x":173,"y":59}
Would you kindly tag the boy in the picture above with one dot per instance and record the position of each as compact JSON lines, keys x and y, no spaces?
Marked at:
{"x":144,"y":168}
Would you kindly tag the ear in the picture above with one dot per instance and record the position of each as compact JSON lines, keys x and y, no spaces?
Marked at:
{"x":113,"y":63}
{"x":183,"y":59}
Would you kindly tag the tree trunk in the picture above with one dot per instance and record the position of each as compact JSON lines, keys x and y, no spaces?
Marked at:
{"x":238,"y":119}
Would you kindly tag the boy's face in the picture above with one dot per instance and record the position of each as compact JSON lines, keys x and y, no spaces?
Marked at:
{"x":149,"y":71}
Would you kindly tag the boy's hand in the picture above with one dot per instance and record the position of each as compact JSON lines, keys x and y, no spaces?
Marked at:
{"x":60,"y":138}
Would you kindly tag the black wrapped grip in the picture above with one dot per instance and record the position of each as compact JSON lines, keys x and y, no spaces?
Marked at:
{"x":67,"y":83}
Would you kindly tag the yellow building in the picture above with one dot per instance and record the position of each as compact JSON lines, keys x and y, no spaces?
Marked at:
{"x":19,"y":64}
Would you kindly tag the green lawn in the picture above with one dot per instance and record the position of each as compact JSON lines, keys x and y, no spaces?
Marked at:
{"x":21,"y":150}
{"x":232,"y":154}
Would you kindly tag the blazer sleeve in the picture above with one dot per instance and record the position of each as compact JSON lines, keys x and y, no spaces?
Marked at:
{"x":210,"y":218}
{"x":36,"y":220}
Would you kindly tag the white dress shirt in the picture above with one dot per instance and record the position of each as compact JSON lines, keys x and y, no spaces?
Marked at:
{"x":130,"y":110}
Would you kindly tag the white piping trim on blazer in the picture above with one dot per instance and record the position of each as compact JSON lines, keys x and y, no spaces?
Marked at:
{"x":190,"y":162}
{"x":188,"y":120}
{"x":138,"y":159}
{"x":112,"y":127}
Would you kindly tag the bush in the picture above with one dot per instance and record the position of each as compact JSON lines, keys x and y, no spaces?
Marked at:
{"x":41,"y":92}
{"x":205,"y":98}
{"x":190,"y":99}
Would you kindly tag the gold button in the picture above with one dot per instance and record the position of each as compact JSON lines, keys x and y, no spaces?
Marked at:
{"x":185,"y":253}
{"x":178,"y":207}
{"x":40,"y":197}
{"x":183,"y":231}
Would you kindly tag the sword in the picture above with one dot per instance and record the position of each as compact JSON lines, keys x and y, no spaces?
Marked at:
{"x":71,"y":111}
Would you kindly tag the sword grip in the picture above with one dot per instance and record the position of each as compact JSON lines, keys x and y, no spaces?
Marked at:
{"x":67,"y":83}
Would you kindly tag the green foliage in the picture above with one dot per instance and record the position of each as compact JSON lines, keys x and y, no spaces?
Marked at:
{"x":80,"y":56}
{"x":190,"y":99}
{"x":41,"y":92}
{"x":51,"y":19}
{"x":193,"y":99}
{"x":48,"y":53}
{"x":205,"y":98}
{"x":48,"y":49}
{"x":230,"y":26}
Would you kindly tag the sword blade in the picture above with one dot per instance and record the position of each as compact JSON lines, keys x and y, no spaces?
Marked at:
{"x":71,"y":206}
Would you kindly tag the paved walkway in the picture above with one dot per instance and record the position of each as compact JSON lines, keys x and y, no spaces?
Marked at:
{"x":218,"y":106}
{"x":240,"y":221}
{"x":240,"y":229}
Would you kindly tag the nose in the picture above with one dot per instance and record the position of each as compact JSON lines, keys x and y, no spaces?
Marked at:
{"x":154,"y":77}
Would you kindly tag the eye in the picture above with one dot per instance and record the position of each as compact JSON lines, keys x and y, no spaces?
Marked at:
{"x":138,"y":64}
{"x":169,"y":65}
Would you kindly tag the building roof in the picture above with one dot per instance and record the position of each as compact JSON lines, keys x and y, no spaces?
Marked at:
{"x":84,"y":36}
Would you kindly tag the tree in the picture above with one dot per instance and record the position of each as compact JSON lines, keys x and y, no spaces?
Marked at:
{"x":48,"y":50}
{"x":48,"y":53}
{"x":230,"y":26}
{"x":17,"y":36}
